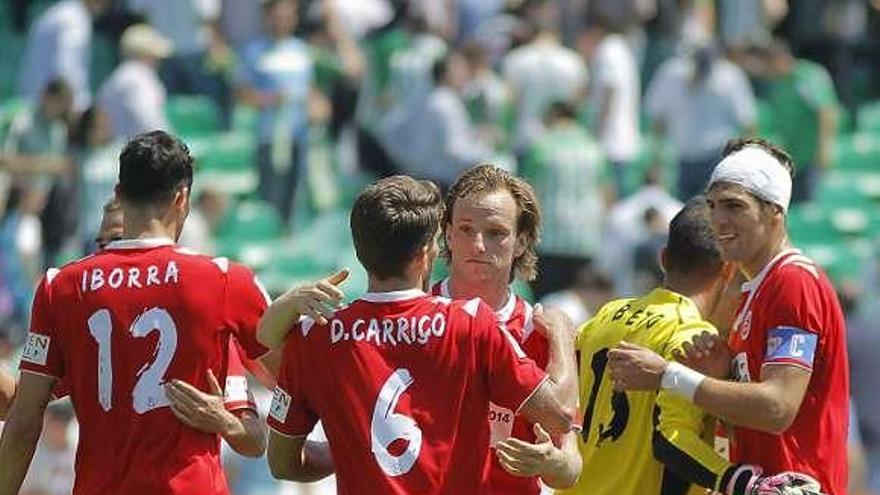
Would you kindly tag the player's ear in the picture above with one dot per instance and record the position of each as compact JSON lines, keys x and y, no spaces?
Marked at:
{"x":728,"y":270}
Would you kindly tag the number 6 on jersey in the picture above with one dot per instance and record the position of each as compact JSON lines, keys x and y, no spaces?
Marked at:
{"x":388,"y":427}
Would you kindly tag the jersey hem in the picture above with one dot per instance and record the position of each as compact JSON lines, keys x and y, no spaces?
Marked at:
{"x":288,"y":435}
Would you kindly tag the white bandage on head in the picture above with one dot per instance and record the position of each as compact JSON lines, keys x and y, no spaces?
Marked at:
{"x":758,"y":172}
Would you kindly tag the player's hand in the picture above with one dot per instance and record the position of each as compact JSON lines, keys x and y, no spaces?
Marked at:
{"x":748,"y":480}
{"x":202,"y":411}
{"x":634,"y":367}
{"x":526,"y":459}
{"x":552,"y":321}
{"x":317,"y":301}
{"x":707,"y":353}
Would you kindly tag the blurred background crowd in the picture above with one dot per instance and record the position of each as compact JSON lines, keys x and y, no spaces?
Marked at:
{"x":614,"y":110}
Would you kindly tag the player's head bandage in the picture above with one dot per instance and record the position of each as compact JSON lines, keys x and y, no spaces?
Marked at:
{"x":758,"y":172}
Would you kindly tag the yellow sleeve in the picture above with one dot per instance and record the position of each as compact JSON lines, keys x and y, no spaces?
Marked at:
{"x":678,"y":437}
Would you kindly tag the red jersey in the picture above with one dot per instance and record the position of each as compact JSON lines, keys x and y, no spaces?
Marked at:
{"x":402,"y":382}
{"x":114,"y":327}
{"x":790,"y":315}
{"x":516,"y":316}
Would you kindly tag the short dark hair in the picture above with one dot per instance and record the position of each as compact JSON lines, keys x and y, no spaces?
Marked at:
{"x":692,"y":249}
{"x":391,"y":220}
{"x":487,"y":178}
{"x":775,"y":151}
{"x":152,"y":166}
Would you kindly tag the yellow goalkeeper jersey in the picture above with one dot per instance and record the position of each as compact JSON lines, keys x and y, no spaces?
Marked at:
{"x":622,"y":430}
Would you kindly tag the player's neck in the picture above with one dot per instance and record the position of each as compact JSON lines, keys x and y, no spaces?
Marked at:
{"x":147,"y":229}
{"x":753,"y":267}
{"x":394,"y":284}
{"x":494,"y":294}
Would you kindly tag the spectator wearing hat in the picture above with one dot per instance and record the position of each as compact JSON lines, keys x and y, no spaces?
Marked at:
{"x":134,"y":96}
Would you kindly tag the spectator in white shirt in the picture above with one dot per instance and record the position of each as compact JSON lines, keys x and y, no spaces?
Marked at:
{"x":440,"y":141}
{"x":133,"y":96}
{"x":614,"y":94}
{"x":52,"y":472}
{"x":540,"y":73}
{"x":201,"y":58}
{"x":699,"y":101}
{"x":59,"y":46}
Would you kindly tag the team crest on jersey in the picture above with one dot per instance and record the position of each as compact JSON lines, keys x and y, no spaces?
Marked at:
{"x":745,"y":328}
{"x":36,"y":350}
{"x":280,"y":405}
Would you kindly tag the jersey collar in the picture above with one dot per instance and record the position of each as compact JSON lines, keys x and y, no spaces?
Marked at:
{"x":146,"y":243}
{"x":687,"y":308}
{"x":393,"y":296}
{"x":754,"y":283}
{"x":502,"y":314}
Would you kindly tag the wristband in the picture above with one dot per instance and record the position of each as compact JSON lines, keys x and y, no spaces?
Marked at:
{"x":682,"y":380}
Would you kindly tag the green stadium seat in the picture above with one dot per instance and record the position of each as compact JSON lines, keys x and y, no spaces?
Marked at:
{"x":225,"y":161}
{"x":251,"y":221}
{"x":868,"y":117}
{"x":811,"y":224}
{"x":192,"y":116}
{"x":858,"y":152}
{"x":856,"y":189}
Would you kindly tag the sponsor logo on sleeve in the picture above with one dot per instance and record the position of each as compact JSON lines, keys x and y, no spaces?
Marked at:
{"x":236,"y":389}
{"x":280,"y":405}
{"x":741,"y":368}
{"x":36,"y":350}
{"x":500,"y":422}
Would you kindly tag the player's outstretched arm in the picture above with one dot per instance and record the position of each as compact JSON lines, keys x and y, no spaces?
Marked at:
{"x":317,"y":301}
{"x":561,"y":364}
{"x":298,"y":459}
{"x":7,"y":392}
{"x":558,"y":467}
{"x":243,"y":430}
{"x":769,"y":405}
{"x":22,"y":429}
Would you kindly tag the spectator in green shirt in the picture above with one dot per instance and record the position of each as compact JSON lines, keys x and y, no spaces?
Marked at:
{"x":802,"y":97}
{"x":571,"y":177}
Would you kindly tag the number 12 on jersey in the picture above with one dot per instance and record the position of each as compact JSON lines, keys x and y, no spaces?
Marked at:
{"x":148,"y":393}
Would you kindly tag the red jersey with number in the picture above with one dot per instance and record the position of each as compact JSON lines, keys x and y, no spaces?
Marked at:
{"x":402,"y":382}
{"x":516,"y":316}
{"x":114,"y":327}
{"x":790,"y":316}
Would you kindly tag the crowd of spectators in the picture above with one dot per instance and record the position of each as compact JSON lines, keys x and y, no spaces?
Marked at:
{"x":614,"y":110}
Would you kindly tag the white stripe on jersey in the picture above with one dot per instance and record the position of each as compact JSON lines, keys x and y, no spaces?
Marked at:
{"x":513,"y":343}
{"x":51,"y":273}
{"x":471,"y":306}
{"x":222,"y":263}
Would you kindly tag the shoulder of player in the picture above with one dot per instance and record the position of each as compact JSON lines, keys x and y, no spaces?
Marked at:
{"x":794,"y":273}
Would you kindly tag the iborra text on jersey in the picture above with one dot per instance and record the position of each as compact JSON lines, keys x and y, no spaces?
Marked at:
{"x":389,"y":331}
{"x":132,"y":278}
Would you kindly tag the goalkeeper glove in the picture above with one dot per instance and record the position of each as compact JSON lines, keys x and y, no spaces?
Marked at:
{"x":747,"y":479}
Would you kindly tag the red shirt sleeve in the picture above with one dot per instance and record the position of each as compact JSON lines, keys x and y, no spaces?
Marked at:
{"x":42,"y":351}
{"x":794,"y":300}
{"x":237,"y":394}
{"x":246,"y":301}
{"x":512,"y":376}
{"x":290,"y":413}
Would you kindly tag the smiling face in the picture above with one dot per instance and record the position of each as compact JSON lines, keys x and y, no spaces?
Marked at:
{"x":748,"y":230}
{"x":482,"y":237}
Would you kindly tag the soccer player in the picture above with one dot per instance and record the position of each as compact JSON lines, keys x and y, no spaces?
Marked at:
{"x":623,"y":429}
{"x":490,"y":226}
{"x":401,"y":379}
{"x":229,"y":411}
{"x":119,"y":325}
{"x":788,"y":400}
